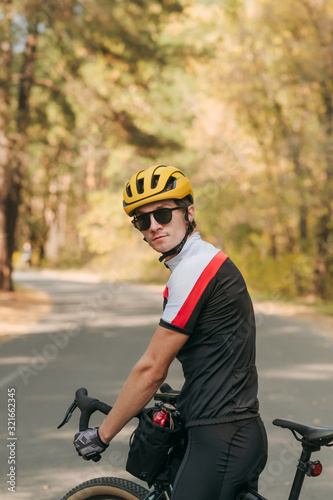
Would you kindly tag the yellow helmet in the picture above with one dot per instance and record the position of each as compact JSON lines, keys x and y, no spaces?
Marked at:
{"x":154,"y":184}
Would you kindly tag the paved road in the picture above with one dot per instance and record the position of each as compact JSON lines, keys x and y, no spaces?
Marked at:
{"x":92,"y":337}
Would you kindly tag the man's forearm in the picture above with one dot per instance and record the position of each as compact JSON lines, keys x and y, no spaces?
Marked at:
{"x":138,"y":390}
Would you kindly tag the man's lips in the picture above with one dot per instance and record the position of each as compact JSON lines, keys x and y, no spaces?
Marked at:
{"x":159,"y":237}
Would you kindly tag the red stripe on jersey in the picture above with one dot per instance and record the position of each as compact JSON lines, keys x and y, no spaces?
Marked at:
{"x":166,"y":292}
{"x":208,"y":273}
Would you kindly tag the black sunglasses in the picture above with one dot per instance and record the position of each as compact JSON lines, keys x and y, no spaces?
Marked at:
{"x":162,"y":216}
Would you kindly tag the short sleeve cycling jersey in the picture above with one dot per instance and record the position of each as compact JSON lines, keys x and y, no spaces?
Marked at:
{"x":206,"y":298}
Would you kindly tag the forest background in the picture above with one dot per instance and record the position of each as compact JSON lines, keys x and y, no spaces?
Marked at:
{"x":239,"y":95}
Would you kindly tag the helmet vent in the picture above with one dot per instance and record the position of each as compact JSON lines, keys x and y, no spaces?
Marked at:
{"x":154,"y":181}
{"x":139,"y":186}
{"x":171,"y":184}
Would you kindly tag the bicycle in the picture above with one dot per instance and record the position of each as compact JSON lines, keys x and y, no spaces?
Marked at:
{"x":311,"y":437}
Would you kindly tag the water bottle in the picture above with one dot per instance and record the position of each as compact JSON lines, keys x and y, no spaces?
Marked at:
{"x":161,"y":418}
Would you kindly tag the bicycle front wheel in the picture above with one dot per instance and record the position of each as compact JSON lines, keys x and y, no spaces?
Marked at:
{"x":107,"y":488}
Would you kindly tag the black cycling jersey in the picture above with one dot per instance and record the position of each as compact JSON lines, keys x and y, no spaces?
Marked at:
{"x":206,"y":298}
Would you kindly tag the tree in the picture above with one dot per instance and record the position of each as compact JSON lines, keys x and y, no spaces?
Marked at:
{"x":14,"y":136}
{"x":278,"y":72}
{"x":71,"y":77}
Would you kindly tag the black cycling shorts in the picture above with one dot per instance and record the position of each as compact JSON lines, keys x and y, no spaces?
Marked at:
{"x":221,"y":459}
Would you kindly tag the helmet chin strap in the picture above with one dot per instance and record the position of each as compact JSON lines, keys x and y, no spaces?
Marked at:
{"x":177,"y":249}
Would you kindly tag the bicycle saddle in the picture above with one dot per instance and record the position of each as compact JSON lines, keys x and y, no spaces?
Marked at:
{"x":311,"y":433}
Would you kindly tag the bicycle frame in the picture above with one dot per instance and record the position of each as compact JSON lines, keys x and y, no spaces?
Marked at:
{"x":164,"y":491}
{"x":160,"y":492}
{"x":312,"y":439}
{"x":304,"y":467}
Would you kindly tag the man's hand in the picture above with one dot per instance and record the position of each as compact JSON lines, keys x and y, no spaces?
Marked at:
{"x":89,"y":445}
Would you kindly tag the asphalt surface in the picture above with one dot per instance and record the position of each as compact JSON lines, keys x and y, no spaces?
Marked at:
{"x":92,"y":337}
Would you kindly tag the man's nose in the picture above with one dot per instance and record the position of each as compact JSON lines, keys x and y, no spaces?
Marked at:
{"x":153,"y":223}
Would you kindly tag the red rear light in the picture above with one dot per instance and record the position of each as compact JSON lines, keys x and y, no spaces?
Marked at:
{"x":316,"y":468}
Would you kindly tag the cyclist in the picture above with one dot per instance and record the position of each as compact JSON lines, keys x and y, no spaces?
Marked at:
{"x":208,"y":324}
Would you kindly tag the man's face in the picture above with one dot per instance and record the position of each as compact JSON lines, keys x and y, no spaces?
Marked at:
{"x":164,"y":237}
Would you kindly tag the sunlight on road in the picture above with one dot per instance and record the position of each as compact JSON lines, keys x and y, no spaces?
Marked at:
{"x":301,"y":372}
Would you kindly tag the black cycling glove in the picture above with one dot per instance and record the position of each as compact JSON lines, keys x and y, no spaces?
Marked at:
{"x":89,"y":445}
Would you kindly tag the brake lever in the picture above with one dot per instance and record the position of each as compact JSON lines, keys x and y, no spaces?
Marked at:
{"x":68,"y":415}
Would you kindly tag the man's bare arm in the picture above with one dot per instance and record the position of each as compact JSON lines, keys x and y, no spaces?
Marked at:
{"x":144,"y":380}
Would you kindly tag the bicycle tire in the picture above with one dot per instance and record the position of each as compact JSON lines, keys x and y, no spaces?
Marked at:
{"x":107,"y":488}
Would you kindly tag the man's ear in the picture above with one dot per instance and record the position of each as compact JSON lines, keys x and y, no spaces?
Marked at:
{"x":191,"y":212}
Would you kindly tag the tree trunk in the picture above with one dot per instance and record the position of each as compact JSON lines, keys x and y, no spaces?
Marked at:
{"x":12,"y":155}
{"x":5,"y":61}
{"x":5,"y":267}
{"x":323,"y":271}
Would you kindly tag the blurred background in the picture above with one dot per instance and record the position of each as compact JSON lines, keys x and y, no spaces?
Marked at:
{"x":239,"y":95}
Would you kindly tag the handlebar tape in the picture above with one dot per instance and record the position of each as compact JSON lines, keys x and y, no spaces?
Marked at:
{"x":88,"y":406}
